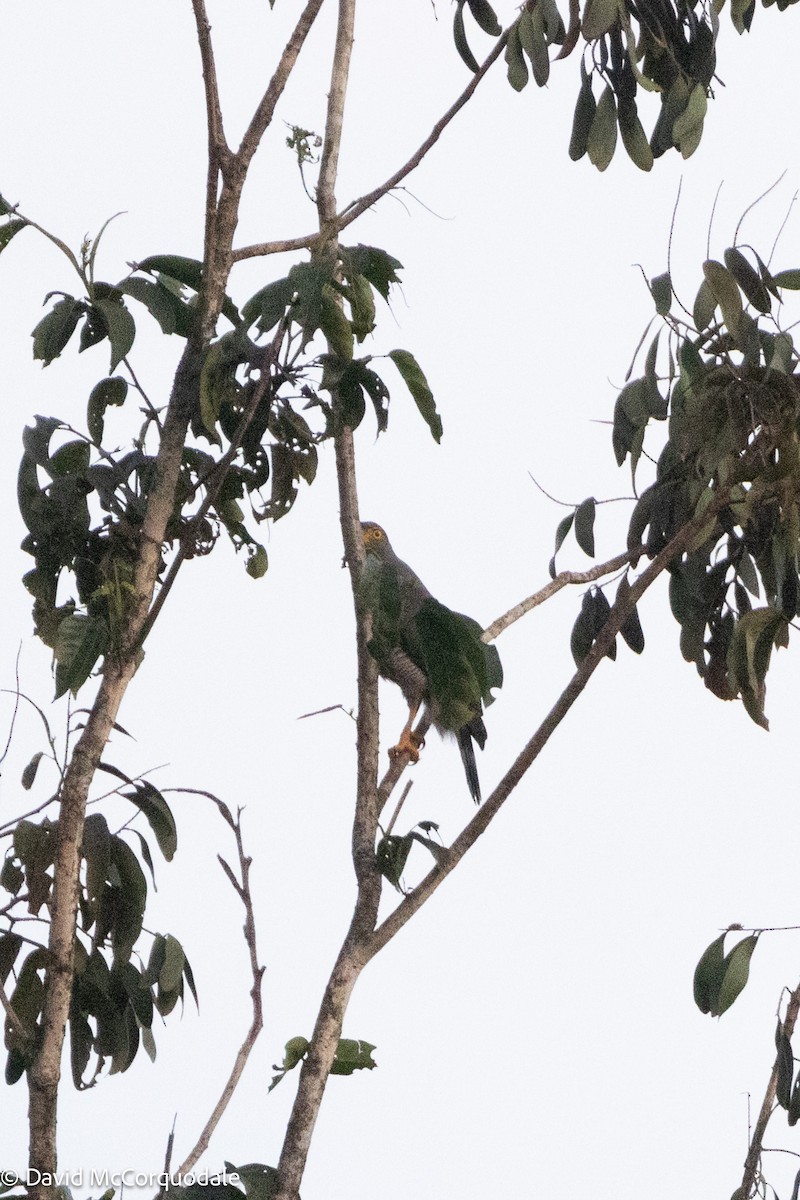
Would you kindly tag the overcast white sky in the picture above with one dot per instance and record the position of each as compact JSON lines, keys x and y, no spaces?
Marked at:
{"x":535,"y":1029}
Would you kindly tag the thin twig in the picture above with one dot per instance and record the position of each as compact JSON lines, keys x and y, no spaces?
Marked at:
{"x":242,"y":889}
{"x":753,"y":1160}
{"x":357,"y":207}
{"x":562,"y":580}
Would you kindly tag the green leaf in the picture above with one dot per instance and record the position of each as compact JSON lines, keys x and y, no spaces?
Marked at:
{"x":336,"y":327}
{"x":70,"y":459}
{"x":748,"y":280}
{"x":788,"y":279}
{"x":164,"y":306}
{"x":417,"y":384}
{"x":688,"y":128}
{"x":485,"y":17}
{"x":54,"y":331}
{"x":159,"y":816}
{"x":8,"y":230}
{"x":132,"y":891}
{"x":460,"y":38}
{"x":29,"y":774}
{"x":80,"y":641}
{"x":602,"y":139}
{"x":295,"y":1050}
{"x":121,"y":329}
{"x":661,"y":291}
{"x":705,"y":305}
{"x":634,"y":139}
{"x":726,"y":293}
{"x":584,"y":525}
{"x":582,"y":636}
{"x":785,"y":1069}
{"x":735,"y":973}
{"x":530,"y":28}
{"x":631,"y":630}
{"x":515,"y":60}
{"x":108,"y":393}
{"x":564,"y":526}
{"x":598,"y":17}
{"x":376,"y":265}
{"x":392,"y":854}
{"x":352,"y":1056}
{"x":171,"y":973}
{"x":362,"y":307}
{"x":268,"y":305}
{"x":708,"y":975}
{"x":188,"y":271}
{"x":257,"y":563}
{"x":585,"y":109}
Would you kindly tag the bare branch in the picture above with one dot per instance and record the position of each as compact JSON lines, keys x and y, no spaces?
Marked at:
{"x":340,"y":73}
{"x":752,"y":1163}
{"x":562,"y":580}
{"x":217,"y":146}
{"x":242,"y":890}
{"x":357,"y":207}
{"x":266,"y":109}
{"x":261,"y":249}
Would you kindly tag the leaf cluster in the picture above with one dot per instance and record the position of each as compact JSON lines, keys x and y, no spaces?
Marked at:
{"x":719,"y":978}
{"x":114,"y":1000}
{"x":262,"y":409}
{"x":733,"y":410}
{"x":628,"y":46}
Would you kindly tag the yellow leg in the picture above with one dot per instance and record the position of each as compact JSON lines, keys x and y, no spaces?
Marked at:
{"x":408,"y":742}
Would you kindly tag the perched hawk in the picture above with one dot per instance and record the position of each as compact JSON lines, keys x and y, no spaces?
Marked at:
{"x":436,"y":656}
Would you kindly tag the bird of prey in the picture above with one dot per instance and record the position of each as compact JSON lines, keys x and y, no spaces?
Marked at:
{"x":436,"y":656}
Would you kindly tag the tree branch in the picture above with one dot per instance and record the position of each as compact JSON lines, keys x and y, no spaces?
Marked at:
{"x":242,"y":889}
{"x":618,"y":615}
{"x":357,"y":207}
{"x":329,"y":161}
{"x":262,"y":249}
{"x":263,"y":115}
{"x":45,"y":1070}
{"x":752,"y":1164}
{"x":555,"y":585}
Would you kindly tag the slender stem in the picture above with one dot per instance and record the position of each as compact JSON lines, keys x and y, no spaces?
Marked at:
{"x":242,"y":889}
{"x":357,"y":207}
{"x":354,"y":952}
{"x":752,"y":1163}
{"x":562,"y":580}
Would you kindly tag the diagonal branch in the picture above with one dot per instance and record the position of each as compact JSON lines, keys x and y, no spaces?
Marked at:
{"x":357,"y":207}
{"x":562,"y":580}
{"x":263,"y":115}
{"x":619,"y":614}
